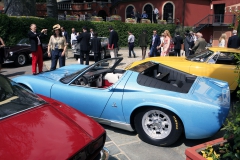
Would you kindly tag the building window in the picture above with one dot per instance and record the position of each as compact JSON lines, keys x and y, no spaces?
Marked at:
{"x":149,"y":10}
{"x":128,"y":11}
{"x":168,"y":9}
{"x":89,"y":5}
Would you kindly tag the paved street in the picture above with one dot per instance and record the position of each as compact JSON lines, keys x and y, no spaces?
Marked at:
{"x":123,"y":145}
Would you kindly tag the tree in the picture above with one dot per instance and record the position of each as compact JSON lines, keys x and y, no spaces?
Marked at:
{"x":20,"y":7}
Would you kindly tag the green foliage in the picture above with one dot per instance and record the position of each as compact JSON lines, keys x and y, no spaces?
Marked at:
{"x":12,"y":29}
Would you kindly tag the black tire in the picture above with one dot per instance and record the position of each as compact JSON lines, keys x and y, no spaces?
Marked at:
{"x":21,"y":60}
{"x":103,"y":54}
{"x":168,"y":134}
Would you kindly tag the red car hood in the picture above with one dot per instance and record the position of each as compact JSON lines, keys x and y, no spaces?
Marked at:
{"x":41,"y":133}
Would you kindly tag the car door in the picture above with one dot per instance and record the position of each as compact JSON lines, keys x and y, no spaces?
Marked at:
{"x":198,"y":68}
{"x":88,"y":100}
{"x":224,"y":68}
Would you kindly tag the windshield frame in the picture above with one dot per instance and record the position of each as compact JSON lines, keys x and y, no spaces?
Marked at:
{"x":200,"y":56}
{"x":84,"y":70}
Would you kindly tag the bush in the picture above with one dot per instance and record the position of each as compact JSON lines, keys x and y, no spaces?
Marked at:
{"x":12,"y":29}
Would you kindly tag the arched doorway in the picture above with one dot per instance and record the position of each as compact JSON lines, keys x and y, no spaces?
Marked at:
{"x":167,"y":10}
{"x":102,"y":14}
{"x":129,"y":10}
{"x":149,"y":10}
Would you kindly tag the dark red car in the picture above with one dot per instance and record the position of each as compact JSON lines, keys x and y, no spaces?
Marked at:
{"x":20,"y":54}
{"x":37,"y":127}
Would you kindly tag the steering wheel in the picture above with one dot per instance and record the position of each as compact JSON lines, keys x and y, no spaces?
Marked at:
{"x":82,"y":81}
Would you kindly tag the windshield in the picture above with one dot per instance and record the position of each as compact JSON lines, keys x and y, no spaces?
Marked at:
{"x":15,"y":99}
{"x":110,"y":63}
{"x":24,"y":41}
{"x":201,"y":57}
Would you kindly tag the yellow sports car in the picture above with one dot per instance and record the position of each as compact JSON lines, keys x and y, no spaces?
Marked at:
{"x":215,"y":62}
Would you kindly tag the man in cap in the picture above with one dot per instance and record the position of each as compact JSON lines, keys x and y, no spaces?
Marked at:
{"x":234,"y":41}
{"x":84,"y":40}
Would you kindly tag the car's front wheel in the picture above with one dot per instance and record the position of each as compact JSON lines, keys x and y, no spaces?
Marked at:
{"x":21,"y":59}
{"x":103,"y":54}
{"x":158,"y":126}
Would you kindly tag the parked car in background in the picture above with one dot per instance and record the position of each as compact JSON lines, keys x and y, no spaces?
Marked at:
{"x":104,"y":52}
{"x":215,"y":62}
{"x":34,"y":126}
{"x":20,"y":54}
{"x":157,"y":101}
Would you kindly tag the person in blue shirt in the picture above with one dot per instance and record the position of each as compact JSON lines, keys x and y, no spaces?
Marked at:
{"x":144,"y":15}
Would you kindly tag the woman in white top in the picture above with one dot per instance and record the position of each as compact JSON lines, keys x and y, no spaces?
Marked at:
{"x":222,"y":40}
{"x":57,"y":47}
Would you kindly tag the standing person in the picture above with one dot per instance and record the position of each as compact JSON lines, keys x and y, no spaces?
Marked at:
{"x":96,"y":46}
{"x":187,"y":44}
{"x":2,"y":45}
{"x":65,"y":34}
{"x":131,"y":39}
{"x":178,"y":41}
{"x":222,"y":40}
{"x":91,"y":32}
{"x":65,"y":15}
{"x":84,"y":39}
{"x":200,"y":44}
{"x":155,"y":43}
{"x":133,"y":13}
{"x":155,"y":14}
{"x":94,"y":13}
{"x":57,"y":47}
{"x":143,"y":42}
{"x":36,"y":48}
{"x":138,"y":17}
{"x":113,"y":42}
{"x":144,"y":15}
{"x":166,"y":43}
{"x":234,"y":41}
{"x":73,"y":41}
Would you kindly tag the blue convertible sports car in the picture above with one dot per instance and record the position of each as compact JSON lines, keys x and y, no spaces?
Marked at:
{"x":157,"y":101}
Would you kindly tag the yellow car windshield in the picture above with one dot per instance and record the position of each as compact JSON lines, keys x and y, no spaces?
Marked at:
{"x":201,"y":57}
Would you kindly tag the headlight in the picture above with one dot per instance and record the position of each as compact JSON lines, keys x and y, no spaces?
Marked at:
{"x":11,"y":53}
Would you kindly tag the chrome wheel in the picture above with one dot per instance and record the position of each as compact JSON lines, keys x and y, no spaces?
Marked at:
{"x":21,"y":60}
{"x":103,"y":54}
{"x":156,"y":124}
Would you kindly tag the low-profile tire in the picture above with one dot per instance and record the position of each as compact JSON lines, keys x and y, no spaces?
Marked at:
{"x":21,"y":60}
{"x":158,"y":126}
{"x":103,"y":54}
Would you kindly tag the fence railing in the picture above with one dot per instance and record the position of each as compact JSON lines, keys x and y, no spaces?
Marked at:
{"x":217,"y":19}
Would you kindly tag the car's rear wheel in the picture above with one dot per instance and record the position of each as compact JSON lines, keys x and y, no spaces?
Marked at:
{"x":103,"y":54}
{"x":21,"y":60}
{"x":158,"y":126}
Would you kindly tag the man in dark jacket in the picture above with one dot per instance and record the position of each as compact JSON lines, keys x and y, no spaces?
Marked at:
{"x":155,"y":43}
{"x":65,"y":34}
{"x":96,"y":46}
{"x":84,"y":40}
{"x":36,"y":48}
{"x":113,"y":42}
{"x":178,"y":41}
{"x":143,"y":43}
{"x":234,"y":41}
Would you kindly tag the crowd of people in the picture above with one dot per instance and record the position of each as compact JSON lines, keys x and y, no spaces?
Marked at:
{"x":138,"y":16}
{"x":193,"y":43}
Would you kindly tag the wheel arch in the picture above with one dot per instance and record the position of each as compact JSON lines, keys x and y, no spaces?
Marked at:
{"x":140,"y":108}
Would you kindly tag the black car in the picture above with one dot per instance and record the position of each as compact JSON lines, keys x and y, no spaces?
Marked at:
{"x":104,"y":51}
{"x":20,"y":54}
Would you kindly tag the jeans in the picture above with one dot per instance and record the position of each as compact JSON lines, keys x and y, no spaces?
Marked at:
{"x":57,"y":54}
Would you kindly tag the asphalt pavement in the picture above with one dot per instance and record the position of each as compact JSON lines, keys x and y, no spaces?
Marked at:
{"x":123,"y":145}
